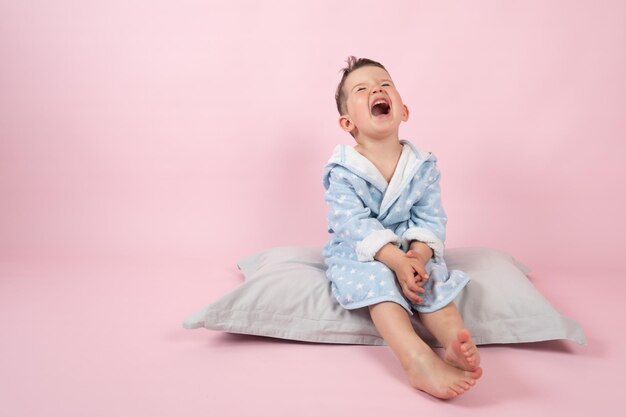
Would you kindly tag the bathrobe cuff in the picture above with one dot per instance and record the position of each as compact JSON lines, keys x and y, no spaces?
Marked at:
{"x":425,"y":236}
{"x":368,"y":247}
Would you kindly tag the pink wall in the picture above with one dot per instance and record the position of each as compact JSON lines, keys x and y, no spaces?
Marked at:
{"x":196,"y":129}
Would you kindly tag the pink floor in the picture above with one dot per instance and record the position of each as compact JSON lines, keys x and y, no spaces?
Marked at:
{"x":103,"y":338}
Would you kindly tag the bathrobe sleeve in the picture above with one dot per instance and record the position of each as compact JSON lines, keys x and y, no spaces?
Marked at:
{"x":351,"y":219}
{"x":428,"y":219}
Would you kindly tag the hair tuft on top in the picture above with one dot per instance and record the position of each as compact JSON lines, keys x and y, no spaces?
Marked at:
{"x":354,"y":63}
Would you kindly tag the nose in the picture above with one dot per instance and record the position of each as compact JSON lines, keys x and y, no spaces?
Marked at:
{"x":377,"y":89}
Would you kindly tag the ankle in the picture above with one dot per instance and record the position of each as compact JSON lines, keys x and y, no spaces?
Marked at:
{"x":409,"y":358}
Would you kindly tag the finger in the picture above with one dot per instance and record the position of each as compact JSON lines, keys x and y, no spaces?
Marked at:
{"x":411,"y":296}
{"x":407,"y":284}
{"x":423,"y":275}
{"x":418,"y":289}
{"x":412,"y":292}
{"x":419,"y":270}
{"x":411,"y":284}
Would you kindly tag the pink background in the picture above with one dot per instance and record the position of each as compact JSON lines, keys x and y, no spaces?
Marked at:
{"x":146,"y":146}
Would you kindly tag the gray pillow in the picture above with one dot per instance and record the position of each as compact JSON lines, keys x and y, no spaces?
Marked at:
{"x":286,"y":295}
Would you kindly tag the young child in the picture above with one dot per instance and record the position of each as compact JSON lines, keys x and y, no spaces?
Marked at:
{"x":387,"y":230}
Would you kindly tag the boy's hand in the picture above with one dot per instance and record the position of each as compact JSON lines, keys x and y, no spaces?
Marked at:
{"x":409,"y":270}
{"x":423,"y":275}
{"x":411,"y":276}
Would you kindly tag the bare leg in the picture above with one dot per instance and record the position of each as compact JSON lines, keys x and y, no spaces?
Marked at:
{"x":448,"y":328}
{"x":426,"y":370}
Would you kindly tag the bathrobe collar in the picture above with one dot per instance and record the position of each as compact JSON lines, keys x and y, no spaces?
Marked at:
{"x":410,"y":160}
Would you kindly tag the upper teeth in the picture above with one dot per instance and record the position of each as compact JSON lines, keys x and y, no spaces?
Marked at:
{"x":379,"y":101}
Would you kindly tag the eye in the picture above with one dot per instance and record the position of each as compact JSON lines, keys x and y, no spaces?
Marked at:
{"x":386,"y":84}
{"x":360,"y":89}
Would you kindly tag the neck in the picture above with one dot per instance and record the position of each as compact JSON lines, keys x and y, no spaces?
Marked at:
{"x":383,"y":154}
{"x":383,"y":148}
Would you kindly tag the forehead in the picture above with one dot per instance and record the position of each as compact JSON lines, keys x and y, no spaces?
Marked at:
{"x":366,"y":74}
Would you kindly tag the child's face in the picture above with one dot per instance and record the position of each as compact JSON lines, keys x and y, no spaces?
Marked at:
{"x":374,"y":106}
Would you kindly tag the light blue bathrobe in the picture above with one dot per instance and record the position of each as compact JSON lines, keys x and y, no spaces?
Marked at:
{"x":366,"y":213}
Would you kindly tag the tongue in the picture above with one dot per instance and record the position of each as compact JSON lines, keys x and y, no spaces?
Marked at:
{"x":380,"y":109}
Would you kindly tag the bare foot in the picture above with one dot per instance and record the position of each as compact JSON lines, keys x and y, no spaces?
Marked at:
{"x":462,"y":353}
{"x":428,"y":373}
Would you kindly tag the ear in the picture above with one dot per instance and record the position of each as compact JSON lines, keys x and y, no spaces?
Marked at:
{"x":405,"y":113}
{"x":346,"y":124}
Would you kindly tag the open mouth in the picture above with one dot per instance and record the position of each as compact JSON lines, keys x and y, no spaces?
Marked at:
{"x":380,"y":107}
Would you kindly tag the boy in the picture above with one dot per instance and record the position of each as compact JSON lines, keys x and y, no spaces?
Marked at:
{"x":384,"y":200}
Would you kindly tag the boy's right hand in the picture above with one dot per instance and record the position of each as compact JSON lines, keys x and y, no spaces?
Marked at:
{"x":411,"y":275}
{"x":409,"y":270}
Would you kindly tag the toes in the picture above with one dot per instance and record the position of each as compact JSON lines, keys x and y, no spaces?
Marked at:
{"x":477,"y":373}
{"x":451,"y":394}
{"x":457,"y":389}
{"x":464,"y":335}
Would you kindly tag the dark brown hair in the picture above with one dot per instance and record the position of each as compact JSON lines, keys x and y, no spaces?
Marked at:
{"x":354,"y":63}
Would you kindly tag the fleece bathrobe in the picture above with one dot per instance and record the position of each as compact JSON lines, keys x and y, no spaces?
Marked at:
{"x":365,"y":213}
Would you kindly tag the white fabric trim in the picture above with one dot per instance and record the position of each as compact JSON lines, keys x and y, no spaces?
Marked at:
{"x":368,"y":247}
{"x":399,"y":175}
{"x":410,"y":158}
{"x":425,"y":236}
